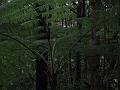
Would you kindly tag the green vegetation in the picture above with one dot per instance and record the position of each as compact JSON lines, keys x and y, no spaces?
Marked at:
{"x":59,"y":44}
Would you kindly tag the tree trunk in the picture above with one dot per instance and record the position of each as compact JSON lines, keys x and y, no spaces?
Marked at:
{"x":70,"y":79}
{"x":80,"y":14}
{"x":94,"y":60}
{"x":77,"y":76}
{"x":53,"y":82}
{"x":41,"y":67}
{"x":41,"y":75}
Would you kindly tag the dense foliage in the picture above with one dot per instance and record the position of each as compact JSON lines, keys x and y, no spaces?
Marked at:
{"x":59,"y":44}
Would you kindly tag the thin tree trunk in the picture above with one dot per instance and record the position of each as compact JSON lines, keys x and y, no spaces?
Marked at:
{"x":77,"y":76}
{"x":66,"y":23}
{"x":119,"y":74}
{"x":80,"y":14}
{"x":70,"y":80}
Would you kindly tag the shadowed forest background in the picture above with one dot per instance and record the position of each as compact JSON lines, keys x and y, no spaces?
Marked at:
{"x":59,"y":44}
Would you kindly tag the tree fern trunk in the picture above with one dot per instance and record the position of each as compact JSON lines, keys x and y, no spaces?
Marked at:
{"x":53,"y":82}
{"x":41,"y":67}
{"x":41,"y":75}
